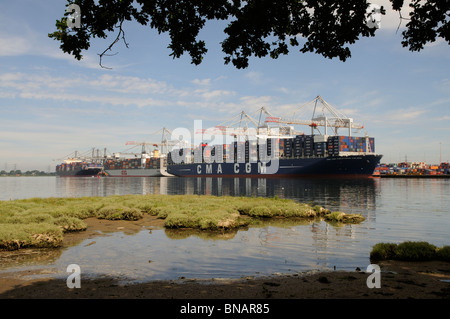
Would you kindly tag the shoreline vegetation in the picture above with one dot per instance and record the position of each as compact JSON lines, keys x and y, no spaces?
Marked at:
{"x":19,"y":173}
{"x":408,"y":269}
{"x":409,"y":251}
{"x":42,"y":222}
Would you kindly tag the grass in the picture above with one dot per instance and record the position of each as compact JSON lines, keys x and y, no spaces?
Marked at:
{"x":409,"y":251}
{"x":16,"y":236}
{"x":119,"y":213}
{"x":341,"y":217}
{"x":42,"y":222}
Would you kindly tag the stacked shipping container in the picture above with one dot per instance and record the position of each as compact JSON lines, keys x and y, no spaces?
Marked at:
{"x":299,"y":146}
{"x":131,"y":163}
{"x":333,"y":145}
{"x":75,"y":166}
{"x":355,"y":144}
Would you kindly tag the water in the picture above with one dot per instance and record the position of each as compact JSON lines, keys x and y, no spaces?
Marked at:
{"x":396,"y":210}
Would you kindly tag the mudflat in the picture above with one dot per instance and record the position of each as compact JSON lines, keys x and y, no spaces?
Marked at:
{"x":399,"y":280}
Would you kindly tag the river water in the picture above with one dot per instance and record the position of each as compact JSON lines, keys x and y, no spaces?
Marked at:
{"x":396,"y":210}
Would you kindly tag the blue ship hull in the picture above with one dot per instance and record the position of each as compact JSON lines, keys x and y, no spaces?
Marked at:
{"x":338,"y":166}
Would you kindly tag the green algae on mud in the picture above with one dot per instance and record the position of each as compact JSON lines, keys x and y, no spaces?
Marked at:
{"x":42,"y":222}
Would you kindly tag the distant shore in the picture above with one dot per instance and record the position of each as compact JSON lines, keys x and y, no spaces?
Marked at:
{"x":412,"y":176}
{"x":27,"y":174}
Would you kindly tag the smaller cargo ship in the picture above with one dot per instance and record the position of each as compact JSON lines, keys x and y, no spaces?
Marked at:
{"x":145,"y":164}
{"x":75,"y":168}
{"x":123,"y":164}
{"x":81,"y":165}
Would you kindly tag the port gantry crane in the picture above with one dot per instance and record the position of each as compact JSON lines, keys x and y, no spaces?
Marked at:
{"x":164,"y":144}
{"x":330,"y":118}
{"x":166,"y":141}
{"x":241,"y":124}
{"x":245,"y":125}
{"x":91,"y":155}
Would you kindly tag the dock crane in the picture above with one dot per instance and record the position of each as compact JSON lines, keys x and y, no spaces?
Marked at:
{"x":330,"y":118}
{"x":247,"y":126}
{"x":324,"y":115}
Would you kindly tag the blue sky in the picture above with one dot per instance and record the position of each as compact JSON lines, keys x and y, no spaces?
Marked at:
{"x":52,"y":104}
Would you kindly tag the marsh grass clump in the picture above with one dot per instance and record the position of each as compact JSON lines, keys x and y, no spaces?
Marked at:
{"x":320,"y":210}
{"x":80,"y":211}
{"x":409,"y":251}
{"x":443,"y":253}
{"x":275,"y":207}
{"x":383,"y":251}
{"x":182,"y":219}
{"x":119,"y":213}
{"x":29,"y":218}
{"x":261,"y":211}
{"x":42,"y":235}
{"x":415,"y":251}
{"x":70,"y":224}
{"x":43,"y":221}
{"x":205,"y":218}
{"x":341,"y":217}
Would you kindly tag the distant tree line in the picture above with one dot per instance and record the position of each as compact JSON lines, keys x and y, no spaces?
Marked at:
{"x":18,"y":172}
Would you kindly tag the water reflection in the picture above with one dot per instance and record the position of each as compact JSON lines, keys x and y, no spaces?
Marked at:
{"x":347,"y":195}
{"x":276,"y":245}
{"x":334,"y":193}
{"x":395,"y":211}
{"x":28,"y":256}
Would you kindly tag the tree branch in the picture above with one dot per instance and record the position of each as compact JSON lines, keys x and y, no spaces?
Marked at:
{"x":121,"y":32}
{"x":400,"y":22}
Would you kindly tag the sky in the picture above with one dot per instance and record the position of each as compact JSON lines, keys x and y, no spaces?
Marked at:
{"x":52,"y":104}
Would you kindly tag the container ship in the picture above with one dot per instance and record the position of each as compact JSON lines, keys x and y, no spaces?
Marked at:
{"x":124,"y":164}
{"x":145,"y":164}
{"x":82,"y":164}
{"x":77,"y":167}
{"x":273,"y":148}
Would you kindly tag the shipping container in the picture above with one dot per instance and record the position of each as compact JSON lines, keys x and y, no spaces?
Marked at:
{"x":337,"y":144}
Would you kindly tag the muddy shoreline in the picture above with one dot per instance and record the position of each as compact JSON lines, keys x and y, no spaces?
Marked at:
{"x":399,"y":280}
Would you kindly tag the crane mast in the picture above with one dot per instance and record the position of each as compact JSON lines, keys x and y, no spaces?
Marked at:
{"x":330,"y":118}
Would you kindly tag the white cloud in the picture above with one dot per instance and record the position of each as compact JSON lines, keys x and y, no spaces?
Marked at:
{"x":255,"y":77}
{"x":444,"y":118}
{"x":252,"y":103}
{"x":113,"y":89}
{"x":213,"y":94}
{"x":129,"y":84}
{"x":202,"y":82}
{"x":20,"y":39}
{"x":403,"y":116}
{"x":13,"y":46}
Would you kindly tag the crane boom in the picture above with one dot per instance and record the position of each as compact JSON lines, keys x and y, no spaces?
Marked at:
{"x":334,"y":118}
{"x":245,"y":125}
